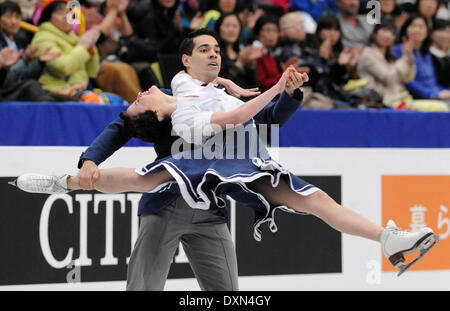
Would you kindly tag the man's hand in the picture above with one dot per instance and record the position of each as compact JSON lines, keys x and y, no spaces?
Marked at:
{"x":88,"y":175}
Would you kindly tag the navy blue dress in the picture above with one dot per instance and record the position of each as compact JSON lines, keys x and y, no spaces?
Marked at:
{"x":204,"y":181}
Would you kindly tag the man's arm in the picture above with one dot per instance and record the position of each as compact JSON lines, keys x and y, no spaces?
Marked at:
{"x":250,"y":109}
{"x":110,"y":140}
{"x":282,"y":110}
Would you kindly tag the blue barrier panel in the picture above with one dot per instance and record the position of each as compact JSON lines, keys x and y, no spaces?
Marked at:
{"x":55,"y":124}
{"x":78,"y":124}
{"x":367,"y":129}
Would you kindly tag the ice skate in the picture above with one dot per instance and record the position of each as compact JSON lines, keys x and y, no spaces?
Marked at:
{"x":396,"y":243}
{"x":38,"y":183}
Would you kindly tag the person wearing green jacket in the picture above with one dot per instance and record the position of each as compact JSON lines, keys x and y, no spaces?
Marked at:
{"x":79,"y":60}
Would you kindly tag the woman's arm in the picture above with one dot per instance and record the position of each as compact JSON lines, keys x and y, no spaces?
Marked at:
{"x":248,"y":110}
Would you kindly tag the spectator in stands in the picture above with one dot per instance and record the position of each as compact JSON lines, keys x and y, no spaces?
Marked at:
{"x":334,"y":63}
{"x":27,"y":7}
{"x":284,"y":4}
{"x":440,"y":51}
{"x":7,"y":59}
{"x":10,"y":18}
{"x":386,"y":73}
{"x":137,"y":9}
{"x":248,"y":15}
{"x":355,"y":28}
{"x":428,"y":8}
{"x":28,"y":66}
{"x":162,"y":25}
{"x":425,"y":83}
{"x":444,"y":10}
{"x":266,"y":32}
{"x":79,"y":60}
{"x":237,"y":65}
{"x":315,"y":8}
{"x":114,"y":76}
{"x":389,"y":9}
{"x":212,"y":13}
{"x":294,"y":50}
{"x":291,"y":44}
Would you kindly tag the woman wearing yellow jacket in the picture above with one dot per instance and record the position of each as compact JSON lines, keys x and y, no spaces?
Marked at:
{"x":79,"y":60}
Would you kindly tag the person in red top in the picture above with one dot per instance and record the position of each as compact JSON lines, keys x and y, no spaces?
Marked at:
{"x":266,"y":31}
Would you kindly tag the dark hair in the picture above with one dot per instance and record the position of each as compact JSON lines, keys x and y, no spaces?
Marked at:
{"x":187,"y":45}
{"x":328,"y":21}
{"x":9,"y":6}
{"x":403,"y":32}
{"x":48,"y":12}
{"x":207,"y":5}
{"x":147,"y":127}
{"x":385,"y":23}
{"x":440,"y":24}
{"x":263,"y":20}
{"x":158,"y":9}
{"x":219,"y":23}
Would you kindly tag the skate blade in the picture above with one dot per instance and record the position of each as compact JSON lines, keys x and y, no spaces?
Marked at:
{"x":13,"y":183}
{"x":424,"y":247}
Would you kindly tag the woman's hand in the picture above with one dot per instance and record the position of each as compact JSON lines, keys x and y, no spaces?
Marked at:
{"x":90,"y":37}
{"x":235,"y":90}
{"x":345,"y":56}
{"x":407,"y":51}
{"x":282,"y":83}
{"x":123,"y":5}
{"x":295,"y":80}
{"x":325,"y":48}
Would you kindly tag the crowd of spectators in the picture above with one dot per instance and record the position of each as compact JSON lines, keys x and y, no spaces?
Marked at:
{"x":358,"y":53}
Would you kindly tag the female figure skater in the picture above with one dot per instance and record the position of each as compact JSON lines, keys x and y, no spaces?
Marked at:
{"x":252,"y":179}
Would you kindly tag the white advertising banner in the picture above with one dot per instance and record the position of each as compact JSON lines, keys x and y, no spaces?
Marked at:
{"x":411,"y":186}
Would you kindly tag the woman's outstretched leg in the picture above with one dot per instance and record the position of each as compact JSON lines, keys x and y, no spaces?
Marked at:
{"x":113,"y":180}
{"x":394,"y":242}
{"x":320,"y":205}
{"x":116,"y":180}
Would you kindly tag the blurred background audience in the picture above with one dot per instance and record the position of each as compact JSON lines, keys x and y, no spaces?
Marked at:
{"x":391,"y":54}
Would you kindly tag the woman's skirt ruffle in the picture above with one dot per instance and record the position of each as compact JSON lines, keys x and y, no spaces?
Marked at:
{"x":205,"y":183}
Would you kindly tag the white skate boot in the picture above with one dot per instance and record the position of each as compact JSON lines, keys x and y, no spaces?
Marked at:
{"x":396,"y":243}
{"x":38,"y":183}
